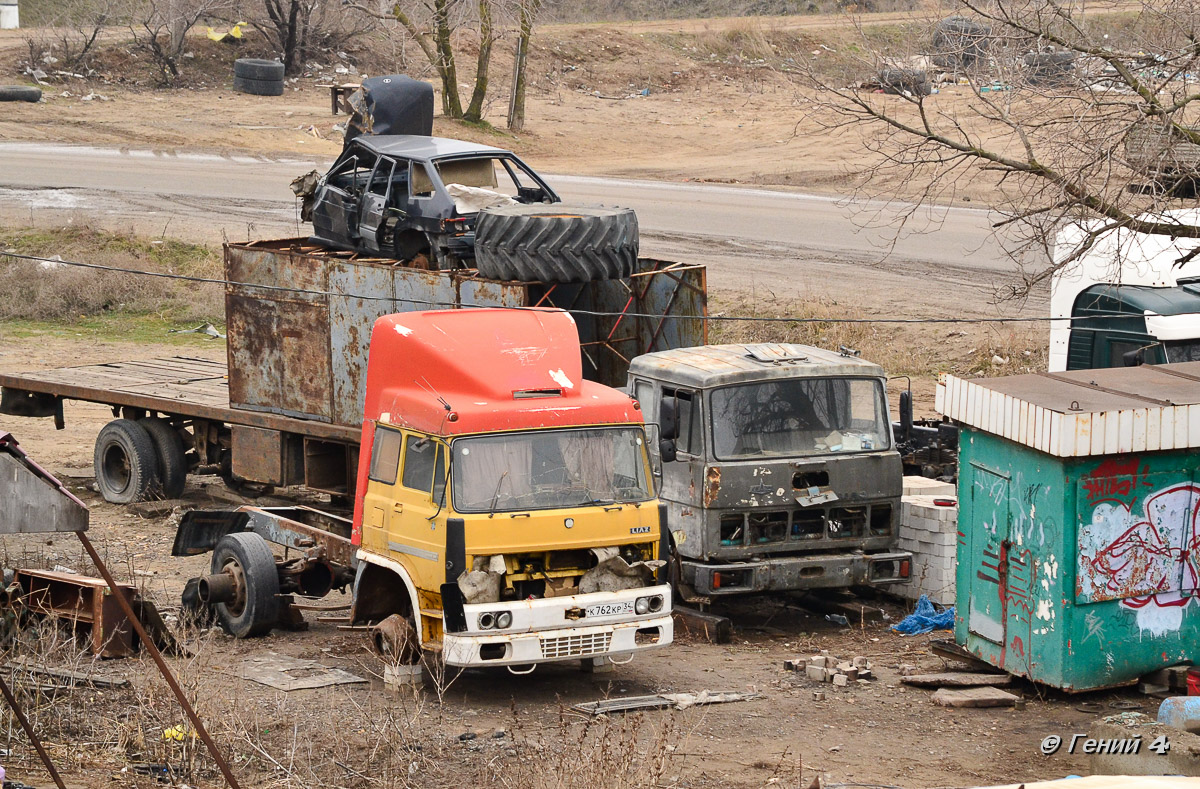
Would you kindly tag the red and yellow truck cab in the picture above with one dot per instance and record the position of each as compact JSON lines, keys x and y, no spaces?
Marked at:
{"x":505,"y":511}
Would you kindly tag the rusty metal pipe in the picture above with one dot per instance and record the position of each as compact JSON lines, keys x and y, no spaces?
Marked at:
{"x":150,"y":647}
{"x":217,"y":588}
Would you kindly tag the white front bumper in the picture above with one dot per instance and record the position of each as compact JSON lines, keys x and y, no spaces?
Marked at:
{"x":541,"y":631}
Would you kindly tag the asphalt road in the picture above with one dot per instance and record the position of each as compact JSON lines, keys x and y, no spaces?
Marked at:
{"x":941,"y":262}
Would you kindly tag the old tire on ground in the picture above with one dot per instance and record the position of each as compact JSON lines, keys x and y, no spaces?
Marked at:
{"x":20,"y":93}
{"x":255,"y":607}
{"x":960,"y":42}
{"x":125,"y":462}
{"x":556,"y":243}
{"x":172,"y":463}
{"x":258,"y":87}
{"x":258,"y":69}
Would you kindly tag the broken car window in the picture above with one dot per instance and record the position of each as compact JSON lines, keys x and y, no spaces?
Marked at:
{"x":802,"y":416}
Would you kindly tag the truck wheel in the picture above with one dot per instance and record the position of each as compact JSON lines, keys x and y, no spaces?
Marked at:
{"x":169,"y":449}
{"x":125,"y":462}
{"x":20,"y":93}
{"x":255,"y":606}
{"x":556,"y":243}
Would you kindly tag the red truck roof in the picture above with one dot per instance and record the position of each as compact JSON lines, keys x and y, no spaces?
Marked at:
{"x":452,"y":372}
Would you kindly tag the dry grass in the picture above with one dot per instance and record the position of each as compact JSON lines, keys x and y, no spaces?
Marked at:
{"x":32,"y":290}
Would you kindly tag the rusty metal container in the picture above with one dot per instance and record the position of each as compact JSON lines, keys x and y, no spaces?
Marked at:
{"x":300,"y":316}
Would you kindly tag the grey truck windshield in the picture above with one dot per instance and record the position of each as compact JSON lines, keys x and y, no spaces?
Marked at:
{"x":549,"y":469}
{"x":799,"y":416}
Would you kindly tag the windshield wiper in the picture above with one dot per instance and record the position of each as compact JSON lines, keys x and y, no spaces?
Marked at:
{"x":496,"y":495}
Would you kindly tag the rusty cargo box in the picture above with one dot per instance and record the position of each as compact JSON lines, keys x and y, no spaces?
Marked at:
{"x":300,"y":316}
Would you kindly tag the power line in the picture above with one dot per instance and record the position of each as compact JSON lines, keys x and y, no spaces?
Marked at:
{"x":594,"y":313}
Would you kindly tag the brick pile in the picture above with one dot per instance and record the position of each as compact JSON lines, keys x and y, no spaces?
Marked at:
{"x":930,"y":532}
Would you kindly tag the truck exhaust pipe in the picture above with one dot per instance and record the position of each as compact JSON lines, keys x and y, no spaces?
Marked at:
{"x":218,"y":588}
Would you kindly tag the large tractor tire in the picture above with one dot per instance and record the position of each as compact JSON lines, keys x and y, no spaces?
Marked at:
{"x":171,"y":454}
{"x":254,"y":609}
{"x":556,"y":243}
{"x":125,"y":462}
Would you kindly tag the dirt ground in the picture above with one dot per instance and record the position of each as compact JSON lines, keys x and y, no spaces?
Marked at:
{"x":879,"y":733}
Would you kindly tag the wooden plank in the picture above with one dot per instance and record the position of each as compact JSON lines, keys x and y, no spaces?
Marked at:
{"x":713,"y":628}
{"x":960,"y":679}
{"x":75,"y":677}
{"x":856,"y":613}
{"x":948,"y":650}
{"x":974,"y":697}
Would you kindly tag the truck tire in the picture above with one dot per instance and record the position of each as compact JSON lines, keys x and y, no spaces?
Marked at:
{"x":258,"y":69}
{"x":20,"y":93}
{"x":172,"y":463}
{"x":395,"y":640}
{"x":255,"y":609}
{"x":258,"y":87}
{"x":125,"y":462}
{"x":556,"y":243}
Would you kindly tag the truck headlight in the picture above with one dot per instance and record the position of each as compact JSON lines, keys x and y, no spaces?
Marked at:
{"x":487,"y":620}
{"x":642,"y":605}
{"x":503,"y":620}
{"x":656,"y":603}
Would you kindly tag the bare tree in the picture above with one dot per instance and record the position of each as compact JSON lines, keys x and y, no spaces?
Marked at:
{"x":298,"y":29}
{"x":527,"y":11}
{"x":66,"y":41}
{"x":160,"y":27}
{"x":1075,"y":118}
{"x":433,"y":24}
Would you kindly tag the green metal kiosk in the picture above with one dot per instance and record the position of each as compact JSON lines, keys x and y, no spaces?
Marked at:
{"x":1078,"y":533}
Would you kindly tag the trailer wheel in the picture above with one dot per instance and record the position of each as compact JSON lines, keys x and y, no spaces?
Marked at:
{"x":255,"y":605}
{"x":125,"y":462}
{"x":169,"y":449}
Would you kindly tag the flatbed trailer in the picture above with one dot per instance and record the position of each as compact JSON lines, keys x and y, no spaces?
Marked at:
{"x":192,"y":395}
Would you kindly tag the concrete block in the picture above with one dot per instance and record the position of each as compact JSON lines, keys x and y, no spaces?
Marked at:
{"x":402,"y":676}
{"x":918,"y":486}
{"x":816,"y":673}
{"x":818,"y":660}
{"x":841,"y":680}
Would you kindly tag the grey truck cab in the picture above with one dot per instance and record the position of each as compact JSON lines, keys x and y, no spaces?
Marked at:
{"x":778,"y":467}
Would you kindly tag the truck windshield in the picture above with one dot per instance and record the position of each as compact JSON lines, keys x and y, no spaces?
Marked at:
{"x":799,"y":416}
{"x":549,"y":469}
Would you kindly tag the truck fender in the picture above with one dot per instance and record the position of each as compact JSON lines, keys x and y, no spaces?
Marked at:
{"x":368,"y":560}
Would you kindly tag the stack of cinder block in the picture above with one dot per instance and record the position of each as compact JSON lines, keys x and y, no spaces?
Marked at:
{"x":929,"y":530}
{"x":827,"y":668}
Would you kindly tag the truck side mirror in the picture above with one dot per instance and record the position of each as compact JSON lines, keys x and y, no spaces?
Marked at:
{"x":668,"y":420}
{"x":1135,"y":358}
{"x":666,"y":450}
{"x":906,"y":416}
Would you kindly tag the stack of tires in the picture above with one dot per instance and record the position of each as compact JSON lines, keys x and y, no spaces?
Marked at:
{"x":258,"y":77}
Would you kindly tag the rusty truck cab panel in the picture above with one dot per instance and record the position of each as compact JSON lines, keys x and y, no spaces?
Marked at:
{"x":783,"y":476}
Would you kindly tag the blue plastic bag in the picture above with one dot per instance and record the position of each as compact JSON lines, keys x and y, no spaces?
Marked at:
{"x":925,"y":619}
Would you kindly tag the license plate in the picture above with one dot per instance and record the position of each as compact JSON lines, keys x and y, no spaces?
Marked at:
{"x":609,"y":609}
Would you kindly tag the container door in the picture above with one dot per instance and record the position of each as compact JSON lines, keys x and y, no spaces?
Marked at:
{"x":989,"y":539}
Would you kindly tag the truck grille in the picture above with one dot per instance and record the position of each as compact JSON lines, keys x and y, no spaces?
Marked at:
{"x":576,"y":646}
